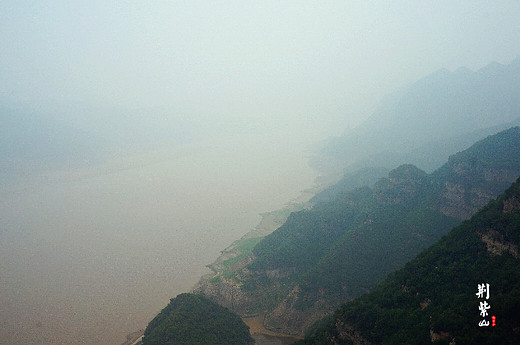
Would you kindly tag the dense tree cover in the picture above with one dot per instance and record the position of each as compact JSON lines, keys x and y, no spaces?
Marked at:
{"x":359,"y":178}
{"x":486,"y":155}
{"x":346,"y":246}
{"x":341,"y":249}
{"x":433,"y":298}
{"x":195,"y":320}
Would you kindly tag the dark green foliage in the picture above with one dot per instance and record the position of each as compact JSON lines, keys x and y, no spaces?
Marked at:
{"x":435,"y":292}
{"x":350,"y":181}
{"x":364,"y":256}
{"x":195,"y":320}
{"x":348,"y":245}
{"x":494,"y":152}
{"x":310,"y":231}
{"x":341,"y":249}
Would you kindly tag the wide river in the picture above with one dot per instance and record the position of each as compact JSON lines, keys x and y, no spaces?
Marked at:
{"x":88,"y":256}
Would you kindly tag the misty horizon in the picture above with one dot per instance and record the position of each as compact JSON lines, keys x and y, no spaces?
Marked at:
{"x":139,"y":140}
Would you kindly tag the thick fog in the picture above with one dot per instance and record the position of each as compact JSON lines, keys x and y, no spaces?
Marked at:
{"x":89,"y":256}
{"x":230,"y":61}
{"x":138,"y":139}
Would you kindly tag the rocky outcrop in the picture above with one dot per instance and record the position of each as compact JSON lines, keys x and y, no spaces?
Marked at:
{"x":511,"y":204}
{"x":227,"y":293}
{"x":460,"y":202}
{"x":438,"y":336}
{"x":288,"y":318}
{"x":402,"y":184}
{"x":471,"y":186}
{"x":497,"y":245}
{"x":347,"y":332}
{"x":427,"y":301}
{"x":293,"y":297}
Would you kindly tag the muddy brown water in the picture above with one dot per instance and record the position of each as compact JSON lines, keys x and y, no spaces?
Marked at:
{"x":263,"y":339}
{"x":87,"y":257}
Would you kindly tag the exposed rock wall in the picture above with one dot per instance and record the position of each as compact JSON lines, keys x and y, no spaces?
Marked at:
{"x":290,"y":319}
{"x":347,"y":332}
{"x":465,"y":184}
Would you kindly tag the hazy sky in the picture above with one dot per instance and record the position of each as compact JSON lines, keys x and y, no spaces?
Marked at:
{"x":93,"y":249}
{"x":322,"y":64}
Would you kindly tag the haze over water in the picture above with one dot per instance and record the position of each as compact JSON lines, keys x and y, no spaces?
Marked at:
{"x":164,"y":129}
{"x":90,"y":256}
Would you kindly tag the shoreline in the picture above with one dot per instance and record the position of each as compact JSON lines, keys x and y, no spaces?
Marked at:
{"x":256,"y":326}
{"x":134,"y":338}
{"x":270,"y":221}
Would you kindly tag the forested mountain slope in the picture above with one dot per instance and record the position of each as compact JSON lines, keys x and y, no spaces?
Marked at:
{"x":340,"y":249}
{"x":429,"y":120}
{"x":351,"y":180}
{"x":449,"y":293}
{"x":195,"y":320}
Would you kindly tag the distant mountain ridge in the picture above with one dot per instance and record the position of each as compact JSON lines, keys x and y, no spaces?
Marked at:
{"x":350,"y":181}
{"x":341,"y":249}
{"x":435,"y":297}
{"x":429,"y":120}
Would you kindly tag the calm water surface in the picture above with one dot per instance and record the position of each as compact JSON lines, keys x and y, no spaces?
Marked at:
{"x":87,"y":257}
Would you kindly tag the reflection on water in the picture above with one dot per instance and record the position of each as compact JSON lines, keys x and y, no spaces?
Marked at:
{"x":262,"y":339}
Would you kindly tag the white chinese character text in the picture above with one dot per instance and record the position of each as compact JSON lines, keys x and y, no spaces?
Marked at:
{"x":483,"y":323}
{"x":483,"y":288}
{"x":483,"y":307}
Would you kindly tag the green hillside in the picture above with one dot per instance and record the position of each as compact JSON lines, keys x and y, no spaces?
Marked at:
{"x":350,"y":181}
{"x":434,"y":297}
{"x":195,"y":320}
{"x":341,"y":249}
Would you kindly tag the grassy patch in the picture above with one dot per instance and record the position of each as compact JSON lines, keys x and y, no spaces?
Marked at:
{"x":243,"y":249}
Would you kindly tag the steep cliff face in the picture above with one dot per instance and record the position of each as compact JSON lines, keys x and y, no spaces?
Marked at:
{"x":403,"y":183}
{"x":349,"y":334}
{"x":473,"y":177}
{"x":436,"y":297}
{"x":461,"y":198}
{"x":227,"y":293}
{"x":339,"y":250}
{"x":288,"y":317}
{"x":383,"y":210}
